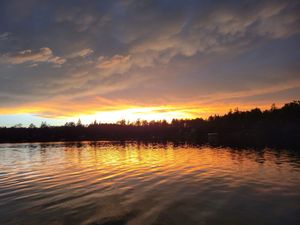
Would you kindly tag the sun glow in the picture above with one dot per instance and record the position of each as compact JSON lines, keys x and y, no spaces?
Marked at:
{"x":133,"y":114}
{"x":60,"y":112}
{"x":130,"y":113}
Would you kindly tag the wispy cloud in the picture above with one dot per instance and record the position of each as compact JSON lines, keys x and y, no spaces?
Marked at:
{"x":81,"y":53}
{"x":33,"y":56}
{"x":4,"y":36}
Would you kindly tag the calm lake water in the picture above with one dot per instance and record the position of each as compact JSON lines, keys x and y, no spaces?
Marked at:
{"x":113,"y":183}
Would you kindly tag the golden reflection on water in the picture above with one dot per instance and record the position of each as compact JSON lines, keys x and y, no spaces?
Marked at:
{"x":183,"y":159}
{"x":146,"y":183}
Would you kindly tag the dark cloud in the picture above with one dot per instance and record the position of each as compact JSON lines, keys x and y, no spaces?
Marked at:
{"x":147,"y":52}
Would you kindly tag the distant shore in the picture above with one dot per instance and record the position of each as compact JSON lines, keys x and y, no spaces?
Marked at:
{"x":277,"y":126}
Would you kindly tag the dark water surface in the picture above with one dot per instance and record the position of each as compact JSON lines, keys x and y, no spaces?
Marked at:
{"x":115,"y":183}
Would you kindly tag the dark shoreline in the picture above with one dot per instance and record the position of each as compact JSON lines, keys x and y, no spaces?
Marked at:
{"x":274,"y":127}
{"x":253,"y":144}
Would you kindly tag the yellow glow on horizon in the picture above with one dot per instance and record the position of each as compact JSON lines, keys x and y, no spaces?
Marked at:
{"x":90,"y":111}
{"x":133,"y":114}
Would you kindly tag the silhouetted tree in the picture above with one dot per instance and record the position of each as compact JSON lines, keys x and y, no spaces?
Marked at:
{"x":276,"y":125}
{"x":79,"y":124}
{"x":137,"y":122}
{"x":70,"y":124}
{"x":44,"y":125}
{"x":31,"y":126}
{"x":19,"y":125}
{"x":122,"y":122}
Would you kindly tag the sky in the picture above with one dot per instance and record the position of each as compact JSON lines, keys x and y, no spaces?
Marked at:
{"x":153,"y":59}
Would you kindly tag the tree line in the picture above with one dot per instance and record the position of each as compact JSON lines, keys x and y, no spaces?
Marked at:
{"x":278,"y":126}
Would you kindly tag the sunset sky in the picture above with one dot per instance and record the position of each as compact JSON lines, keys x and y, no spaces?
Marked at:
{"x":111,"y":60}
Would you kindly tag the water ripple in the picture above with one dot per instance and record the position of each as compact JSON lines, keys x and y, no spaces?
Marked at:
{"x":147,"y":183}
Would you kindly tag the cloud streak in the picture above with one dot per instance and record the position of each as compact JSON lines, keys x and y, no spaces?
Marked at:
{"x":33,"y":56}
{"x":81,"y":53}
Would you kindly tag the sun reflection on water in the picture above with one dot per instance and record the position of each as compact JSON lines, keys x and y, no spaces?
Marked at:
{"x":143,"y":183}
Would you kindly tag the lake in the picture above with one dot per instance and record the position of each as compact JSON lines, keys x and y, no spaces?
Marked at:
{"x":114,"y":183}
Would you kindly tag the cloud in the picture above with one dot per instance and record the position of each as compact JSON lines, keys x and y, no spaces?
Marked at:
{"x":82,"y":20}
{"x":81,"y":53}
{"x":57,"y":60}
{"x":221,"y":29}
{"x":34,"y":56}
{"x":4,"y":36}
{"x":147,"y":53}
{"x":115,"y":64}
